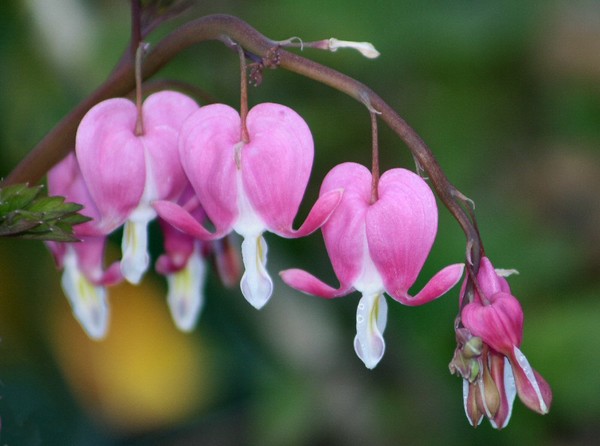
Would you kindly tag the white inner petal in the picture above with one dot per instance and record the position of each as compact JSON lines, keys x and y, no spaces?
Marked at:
{"x":369,"y":280}
{"x":371,"y":319}
{"x":256,"y":284}
{"x":186,"y":294}
{"x":88,"y":301}
{"x":248,"y":221}
{"x":134,"y":245}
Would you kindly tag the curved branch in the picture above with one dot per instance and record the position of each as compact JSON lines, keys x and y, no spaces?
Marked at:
{"x":61,"y":139}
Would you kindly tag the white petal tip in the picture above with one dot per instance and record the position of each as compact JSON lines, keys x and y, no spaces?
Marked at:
{"x":186,"y":297}
{"x":365,"y":48}
{"x":256,"y":284}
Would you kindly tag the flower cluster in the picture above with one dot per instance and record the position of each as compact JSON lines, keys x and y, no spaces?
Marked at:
{"x":197,"y":166}
{"x":189,"y":165}
{"x":488,"y":357}
{"x":206,"y":172}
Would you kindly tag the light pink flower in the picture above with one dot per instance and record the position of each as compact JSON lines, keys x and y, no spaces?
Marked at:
{"x":249,"y":187}
{"x":125,"y":172}
{"x":184,"y":266}
{"x":377,"y":247}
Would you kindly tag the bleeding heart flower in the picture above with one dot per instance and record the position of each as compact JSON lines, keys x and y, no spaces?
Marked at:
{"x":249,"y":187}
{"x":377,"y":247}
{"x":125,"y":172}
{"x":184,"y":266}
{"x":84,"y":279}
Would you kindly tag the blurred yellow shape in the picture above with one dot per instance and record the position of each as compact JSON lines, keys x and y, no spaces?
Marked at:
{"x":146,"y":374}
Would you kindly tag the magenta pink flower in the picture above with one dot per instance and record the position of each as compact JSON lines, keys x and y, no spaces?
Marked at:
{"x":377,"y":247}
{"x":496,"y":317}
{"x":125,"y":172}
{"x":84,"y":278}
{"x":249,"y":187}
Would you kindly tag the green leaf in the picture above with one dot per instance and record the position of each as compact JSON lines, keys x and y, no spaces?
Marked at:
{"x":26,"y":213}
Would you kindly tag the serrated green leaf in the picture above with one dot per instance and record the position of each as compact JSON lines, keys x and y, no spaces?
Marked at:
{"x":18,"y":197}
{"x":27,"y":214}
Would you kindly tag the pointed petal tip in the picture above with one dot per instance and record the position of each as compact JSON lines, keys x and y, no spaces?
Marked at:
{"x":532,"y":388}
{"x":307,"y":283}
{"x":186,"y":292}
{"x":319,"y":214}
{"x":437,"y":286}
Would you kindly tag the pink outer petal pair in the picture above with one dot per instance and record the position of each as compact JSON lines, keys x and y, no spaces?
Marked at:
{"x":252,"y":186}
{"x":120,"y":167}
{"x":394,"y":234}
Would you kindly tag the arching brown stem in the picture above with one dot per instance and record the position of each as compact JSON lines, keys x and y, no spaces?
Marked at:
{"x":61,"y":139}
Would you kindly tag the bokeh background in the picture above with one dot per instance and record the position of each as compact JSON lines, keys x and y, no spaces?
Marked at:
{"x":506,"y":93}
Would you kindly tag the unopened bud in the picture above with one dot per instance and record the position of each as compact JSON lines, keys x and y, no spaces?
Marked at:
{"x":473,"y":348}
{"x":365,"y":48}
{"x":491,"y":395}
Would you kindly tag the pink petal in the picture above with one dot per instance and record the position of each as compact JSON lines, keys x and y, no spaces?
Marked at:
{"x":208,"y":143}
{"x":401,"y":227}
{"x":276,"y":164}
{"x":90,"y":261}
{"x":490,"y":282}
{"x":309,"y":284}
{"x":181,"y":219}
{"x":344,"y":232}
{"x":439,"y":285}
{"x":318,"y":215}
{"x":164,"y":114}
{"x":65,"y":179}
{"x":500,"y":324}
{"x":533,"y":390}
{"x":111,"y":158}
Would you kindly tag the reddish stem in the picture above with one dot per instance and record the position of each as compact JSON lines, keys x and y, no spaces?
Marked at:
{"x":374,"y":158}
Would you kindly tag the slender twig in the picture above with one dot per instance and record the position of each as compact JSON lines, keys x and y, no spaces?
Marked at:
{"x":374,"y":157}
{"x":245,"y":136}
{"x":226,"y":28}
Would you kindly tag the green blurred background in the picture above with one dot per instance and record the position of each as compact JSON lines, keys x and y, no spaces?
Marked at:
{"x":506,"y":93}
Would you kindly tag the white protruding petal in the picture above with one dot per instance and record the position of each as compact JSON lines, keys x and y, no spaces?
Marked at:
{"x":186,"y":292}
{"x":134,"y":245}
{"x":371,"y":318}
{"x":506,"y":272}
{"x":511,"y":392}
{"x":524,"y":364}
{"x":88,"y":301}
{"x":365,"y":48}
{"x":256,"y":283}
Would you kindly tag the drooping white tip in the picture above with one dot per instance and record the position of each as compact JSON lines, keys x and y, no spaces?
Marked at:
{"x":186,"y":296}
{"x":506,"y":272}
{"x":88,"y":301}
{"x":135,"y":259}
{"x":256,"y":284}
{"x":371,"y":319}
{"x":365,"y":48}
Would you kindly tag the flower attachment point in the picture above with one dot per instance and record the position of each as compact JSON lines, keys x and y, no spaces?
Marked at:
{"x":365,"y":48}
